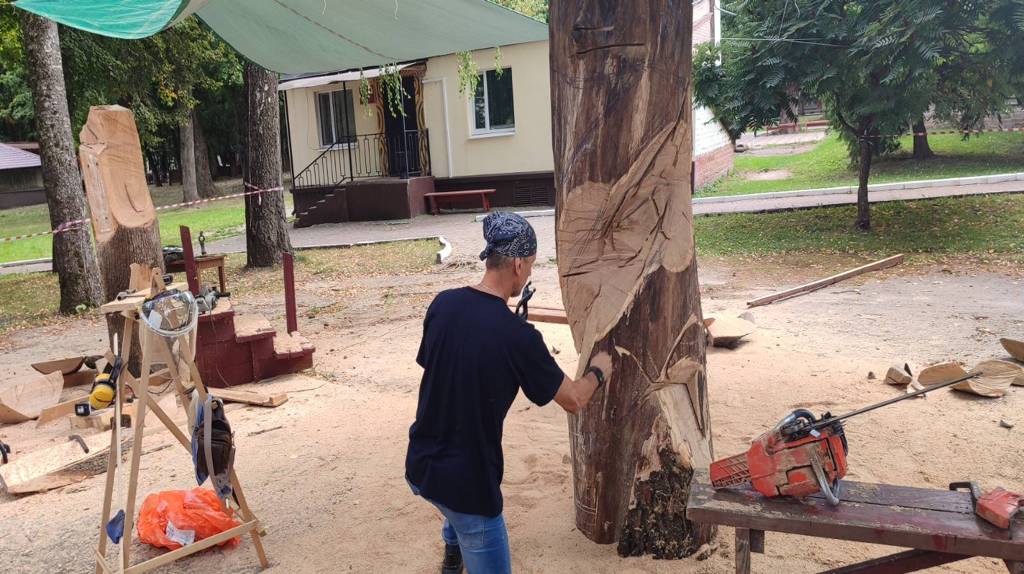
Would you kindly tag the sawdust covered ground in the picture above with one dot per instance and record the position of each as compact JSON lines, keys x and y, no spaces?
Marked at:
{"x":325,"y":470}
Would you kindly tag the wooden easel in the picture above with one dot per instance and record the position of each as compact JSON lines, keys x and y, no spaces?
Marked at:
{"x":178,"y":356}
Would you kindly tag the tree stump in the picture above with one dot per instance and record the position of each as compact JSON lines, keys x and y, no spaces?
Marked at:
{"x":123,"y":217}
{"x":622,"y":113}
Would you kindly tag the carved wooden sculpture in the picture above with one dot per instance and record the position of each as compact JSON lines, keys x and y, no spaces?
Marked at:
{"x":620,"y":82}
{"x":123,"y":217}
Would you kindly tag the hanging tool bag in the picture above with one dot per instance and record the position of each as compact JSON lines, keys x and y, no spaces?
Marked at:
{"x":213,"y":444}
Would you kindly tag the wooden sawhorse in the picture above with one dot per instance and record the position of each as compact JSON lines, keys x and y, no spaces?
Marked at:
{"x":938,"y":525}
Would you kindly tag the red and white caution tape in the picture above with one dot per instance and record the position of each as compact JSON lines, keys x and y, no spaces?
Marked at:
{"x":948,"y":132}
{"x":77,"y":223}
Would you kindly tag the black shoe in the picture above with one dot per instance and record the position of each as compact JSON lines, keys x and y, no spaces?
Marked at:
{"x":452,"y":559}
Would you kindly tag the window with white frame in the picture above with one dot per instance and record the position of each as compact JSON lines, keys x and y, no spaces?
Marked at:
{"x":337,"y":117}
{"x":493,"y":111}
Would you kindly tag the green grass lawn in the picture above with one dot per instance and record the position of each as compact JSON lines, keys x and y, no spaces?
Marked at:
{"x":828,"y":165}
{"x":28,"y":299}
{"x":976,"y":225}
{"x":218,"y":220}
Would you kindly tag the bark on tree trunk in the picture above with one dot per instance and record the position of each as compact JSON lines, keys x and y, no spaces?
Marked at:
{"x":123,"y":217}
{"x":204,"y":178}
{"x":266,"y":229}
{"x":863,"y":206}
{"x":154,"y":166}
{"x":187,"y":153}
{"x":620,"y":79}
{"x":73,"y":257}
{"x":921,"y":148}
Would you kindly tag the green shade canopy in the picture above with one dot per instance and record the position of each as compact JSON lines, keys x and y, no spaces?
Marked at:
{"x":303,"y":36}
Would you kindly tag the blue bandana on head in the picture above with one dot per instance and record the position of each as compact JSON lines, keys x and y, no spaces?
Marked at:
{"x":508,"y":234}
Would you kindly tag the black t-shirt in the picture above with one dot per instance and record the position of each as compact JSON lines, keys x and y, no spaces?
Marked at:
{"x":476,"y":355}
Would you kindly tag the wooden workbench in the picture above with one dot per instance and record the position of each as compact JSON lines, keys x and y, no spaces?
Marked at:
{"x":938,"y":525}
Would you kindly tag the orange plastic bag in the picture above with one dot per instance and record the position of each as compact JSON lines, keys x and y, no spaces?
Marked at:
{"x":174,"y":518}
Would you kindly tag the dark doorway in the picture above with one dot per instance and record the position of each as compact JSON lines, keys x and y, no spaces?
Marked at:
{"x":402,"y":133}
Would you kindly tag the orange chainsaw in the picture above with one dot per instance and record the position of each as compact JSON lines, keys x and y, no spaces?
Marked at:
{"x":802,"y":455}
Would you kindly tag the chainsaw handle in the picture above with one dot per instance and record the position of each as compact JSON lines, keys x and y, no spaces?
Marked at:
{"x":969,"y":485}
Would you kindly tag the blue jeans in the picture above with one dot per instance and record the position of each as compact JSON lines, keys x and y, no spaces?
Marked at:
{"x":483,"y":540}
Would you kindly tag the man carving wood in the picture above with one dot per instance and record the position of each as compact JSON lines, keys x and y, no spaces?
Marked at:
{"x":476,"y":355}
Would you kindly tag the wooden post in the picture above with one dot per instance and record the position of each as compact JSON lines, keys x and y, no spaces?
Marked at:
{"x":290,"y":312}
{"x":742,"y":551}
{"x":191,"y":272}
{"x":622,"y":114}
{"x":123,"y":217}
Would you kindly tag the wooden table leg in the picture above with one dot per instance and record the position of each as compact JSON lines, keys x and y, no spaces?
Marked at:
{"x":757,"y":541}
{"x":220,"y":275}
{"x":899,"y":563}
{"x":487,"y":204}
{"x":433,"y":205}
{"x":742,"y":551}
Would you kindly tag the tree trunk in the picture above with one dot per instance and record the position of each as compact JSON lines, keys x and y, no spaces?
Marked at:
{"x":204,"y":178}
{"x":73,"y":257}
{"x":154,"y":166}
{"x":921,"y":148}
{"x":187,"y":153}
{"x":266,"y":229}
{"x":622,"y":114}
{"x":123,"y":217}
{"x":863,"y":206}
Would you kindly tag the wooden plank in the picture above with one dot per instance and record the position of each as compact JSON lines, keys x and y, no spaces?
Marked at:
{"x":291,"y":345}
{"x":134,"y":300}
{"x":895,"y":525}
{"x":25,"y":401}
{"x":899,"y":563}
{"x":31,"y":472}
{"x":250,"y":398}
{"x":198,"y":546}
{"x":906,"y":497}
{"x":59,"y":410}
{"x":251,"y":327}
{"x":538,"y":314}
{"x":462,"y":193}
{"x":822,"y":283}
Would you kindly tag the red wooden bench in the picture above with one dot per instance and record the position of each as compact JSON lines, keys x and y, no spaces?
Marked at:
{"x":938,"y":525}
{"x":441,"y":195}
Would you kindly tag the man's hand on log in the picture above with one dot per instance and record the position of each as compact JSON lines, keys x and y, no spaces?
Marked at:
{"x":603,"y":361}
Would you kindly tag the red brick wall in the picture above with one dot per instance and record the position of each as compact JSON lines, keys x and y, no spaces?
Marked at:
{"x":712,"y":165}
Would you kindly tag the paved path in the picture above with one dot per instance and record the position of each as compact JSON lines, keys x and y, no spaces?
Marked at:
{"x":465,"y":235}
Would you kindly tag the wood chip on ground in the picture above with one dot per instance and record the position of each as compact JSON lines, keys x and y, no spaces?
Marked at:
{"x":1014,"y":347}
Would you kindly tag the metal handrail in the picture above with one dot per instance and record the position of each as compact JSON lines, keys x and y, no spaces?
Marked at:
{"x":368,"y":155}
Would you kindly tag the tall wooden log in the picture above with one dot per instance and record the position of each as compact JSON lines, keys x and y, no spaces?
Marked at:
{"x":123,"y":216}
{"x":73,"y":257}
{"x":620,"y":82}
